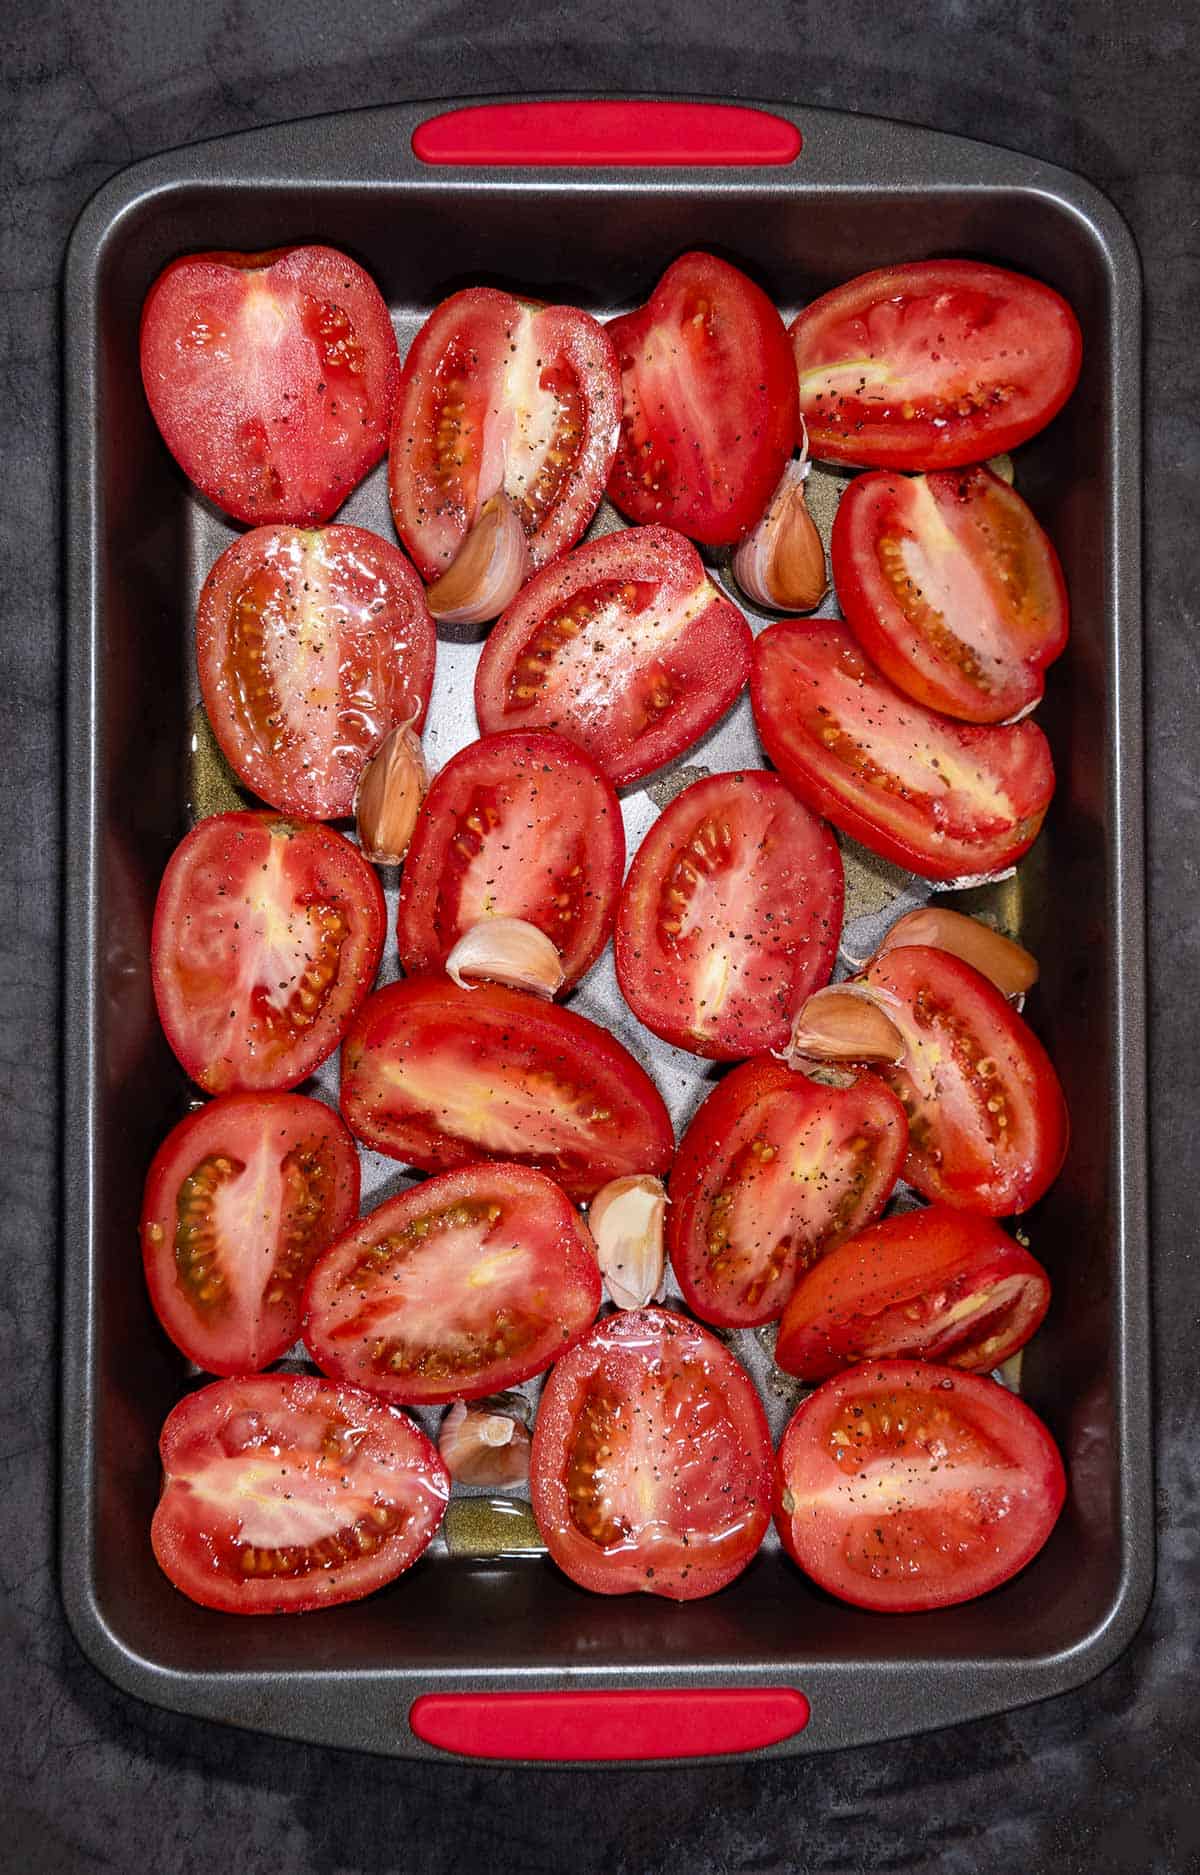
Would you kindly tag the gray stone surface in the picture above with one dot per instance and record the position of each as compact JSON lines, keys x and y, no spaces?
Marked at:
{"x":1105,"y":1778}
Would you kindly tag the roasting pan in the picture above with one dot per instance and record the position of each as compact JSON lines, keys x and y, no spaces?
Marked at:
{"x":484,"y":1649}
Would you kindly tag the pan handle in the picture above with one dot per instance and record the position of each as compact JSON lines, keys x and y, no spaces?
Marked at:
{"x":560,"y":1728}
{"x":607,"y":133}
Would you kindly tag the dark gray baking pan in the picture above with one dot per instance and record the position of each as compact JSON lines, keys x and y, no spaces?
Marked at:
{"x":499,"y":1653}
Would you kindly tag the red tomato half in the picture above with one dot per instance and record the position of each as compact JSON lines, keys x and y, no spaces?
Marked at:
{"x":987,"y":1122}
{"x":241,"y":1199}
{"x":730,"y":916}
{"x":465,"y":1285}
{"x":271,"y":377}
{"x":933,"y":364}
{"x":515,"y":826}
{"x":930,"y":1285}
{"x":710,"y":404}
{"x":902,"y":1486}
{"x":946,"y":800}
{"x":283,"y":1493}
{"x":312,"y":647}
{"x":773,"y":1171}
{"x":498,"y":393}
{"x":628,"y":648}
{"x":952,"y":587}
{"x":651,"y":1465}
{"x":439,"y":1076}
{"x":267,"y":936}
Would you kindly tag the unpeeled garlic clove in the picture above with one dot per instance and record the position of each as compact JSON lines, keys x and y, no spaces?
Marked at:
{"x":390,"y":791}
{"x":488,"y":571}
{"x":781,"y":562}
{"x":507,"y":950}
{"x":481,"y":1442}
{"x":1008,"y":965}
{"x":626,"y":1221}
{"x":840,"y":1023}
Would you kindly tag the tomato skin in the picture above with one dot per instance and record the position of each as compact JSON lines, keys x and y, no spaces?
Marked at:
{"x":710,"y":403}
{"x":983,"y":326}
{"x":333,"y":624}
{"x":742,"y":1128}
{"x":441,"y":1076}
{"x":297,"y":1189}
{"x":951,"y":588}
{"x":909,"y":1288}
{"x":231,"y":1039}
{"x":558,"y":820}
{"x":473,"y":415}
{"x":708,"y":1453}
{"x":354,"y":1484}
{"x":962,"y":1152}
{"x":271,"y":378}
{"x":355,"y":1294}
{"x":875,"y":763}
{"x":626,"y":647}
{"x":920,"y":1539}
{"x":785,"y":893}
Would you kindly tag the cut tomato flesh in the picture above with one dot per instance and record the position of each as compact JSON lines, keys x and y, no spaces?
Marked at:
{"x":730,"y":916}
{"x":773,"y":1171}
{"x":465,"y":1285}
{"x":438,"y":1076}
{"x":626,"y":647}
{"x":947,"y":800}
{"x":498,"y":394}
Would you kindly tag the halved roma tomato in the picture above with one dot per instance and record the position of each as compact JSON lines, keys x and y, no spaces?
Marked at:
{"x":710,"y":404}
{"x":902,"y":1486}
{"x":241,"y":1199}
{"x":312,"y":646}
{"x":987,"y":1121}
{"x":947,"y":800}
{"x":439,"y":1076}
{"x":271,"y":377}
{"x":730,"y":916}
{"x":933,"y":364}
{"x":627,"y":647}
{"x":773,"y":1171}
{"x":283,"y":1493}
{"x":651,"y":1464}
{"x":467,"y":1284}
{"x":267,"y":936}
{"x":930,"y":1285}
{"x":952,"y":587}
{"x":500,"y":393}
{"x":515,"y":826}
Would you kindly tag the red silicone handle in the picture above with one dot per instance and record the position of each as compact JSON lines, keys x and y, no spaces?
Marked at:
{"x":603,"y":132}
{"x":560,"y":1727}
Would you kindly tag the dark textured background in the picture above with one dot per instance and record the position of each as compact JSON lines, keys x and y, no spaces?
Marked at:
{"x":1105,"y":1778}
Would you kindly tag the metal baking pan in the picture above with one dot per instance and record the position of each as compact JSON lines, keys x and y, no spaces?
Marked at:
{"x":588,"y":204}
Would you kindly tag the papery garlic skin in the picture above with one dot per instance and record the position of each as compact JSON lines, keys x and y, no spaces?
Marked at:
{"x":1004,"y":962}
{"x":842,"y":1023}
{"x":481,"y":1444}
{"x":626,"y":1220}
{"x":781,"y":562}
{"x":509,"y":951}
{"x":391,"y":789}
{"x":488,"y":571}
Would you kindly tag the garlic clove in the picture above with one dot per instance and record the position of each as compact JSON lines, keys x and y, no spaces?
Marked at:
{"x":781,"y":562}
{"x":842,"y":1023}
{"x":1008,"y":965}
{"x":488,"y":571}
{"x":626,"y":1221}
{"x":507,"y":950}
{"x":482,"y":1444}
{"x":390,"y":791}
